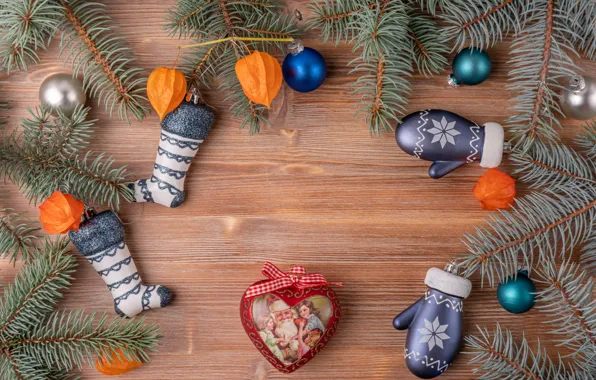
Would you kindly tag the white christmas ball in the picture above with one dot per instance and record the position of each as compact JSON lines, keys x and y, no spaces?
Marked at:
{"x":62,"y":92}
{"x":578,"y":100}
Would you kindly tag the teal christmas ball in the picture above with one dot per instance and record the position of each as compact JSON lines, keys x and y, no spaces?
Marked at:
{"x":470,"y":67}
{"x":517,"y":295}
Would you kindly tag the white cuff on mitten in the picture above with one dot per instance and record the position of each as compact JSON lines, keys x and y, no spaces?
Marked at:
{"x":448,"y":283}
{"x":492,"y":150}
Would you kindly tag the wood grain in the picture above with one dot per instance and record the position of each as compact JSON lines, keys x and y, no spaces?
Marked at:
{"x":315,"y":189}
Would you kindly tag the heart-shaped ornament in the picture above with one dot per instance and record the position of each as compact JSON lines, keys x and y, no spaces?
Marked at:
{"x":289,"y":325}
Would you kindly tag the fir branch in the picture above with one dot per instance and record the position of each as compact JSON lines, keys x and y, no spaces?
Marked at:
{"x":17,"y":235}
{"x":551,"y":166}
{"x":432,"y":6}
{"x":586,"y":140}
{"x":587,"y":23}
{"x":546,"y":223}
{"x":187,"y":19}
{"x":104,"y":58}
{"x":23,"y":367}
{"x":429,"y":50}
{"x":58,"y":137}
{"x":500,"y":357}
{"x":384,"y":64}
{"x":540,"y":60}
{"x":36,"y":290}
{"x":69,"y":339}
{"x":9,"y":367}
{"x":26,"y":27}
{"x":483,"y":23}
{"x":48,"y":159}
{"x":201,"y":65}
{"x":588,"y":256}
{"x":567,"y":299}
{"x":335,"y":18}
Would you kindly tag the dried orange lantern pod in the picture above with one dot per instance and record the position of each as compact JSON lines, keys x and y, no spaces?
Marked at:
{"x":61,"y":213}
{"x":117,"y":365}
{"x":166,"y":89}
{"x":260,"y":76}
{"x":495,"y":190}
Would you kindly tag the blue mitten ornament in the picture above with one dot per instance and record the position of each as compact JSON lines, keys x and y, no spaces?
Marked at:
{"x":434,"y":323}
{"x":450,"y":141}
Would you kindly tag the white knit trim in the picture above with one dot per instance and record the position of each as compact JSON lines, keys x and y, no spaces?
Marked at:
{"x":448,"y":283}
{"x":492,"y":150}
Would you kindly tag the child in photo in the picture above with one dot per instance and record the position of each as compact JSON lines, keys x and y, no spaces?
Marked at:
{"x":307,"y":310}
{"x":266,"y":326}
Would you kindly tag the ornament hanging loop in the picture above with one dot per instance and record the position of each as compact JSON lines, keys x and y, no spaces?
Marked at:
{"x":89,"y":213}
{"x":295,"y":47}
{"x":451,"y":81}
{"x":194,"y":95}
{"x":577,"y":83}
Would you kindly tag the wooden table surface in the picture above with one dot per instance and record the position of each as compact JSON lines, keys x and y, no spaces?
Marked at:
{"x":316,"y":189}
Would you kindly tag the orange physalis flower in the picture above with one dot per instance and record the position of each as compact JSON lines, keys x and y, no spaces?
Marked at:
{"x":166,"y":89}
{"x":61,"y":213}
{"x":495,"y":190}
{"x":118,"y":364}
{"x":260,"y":76}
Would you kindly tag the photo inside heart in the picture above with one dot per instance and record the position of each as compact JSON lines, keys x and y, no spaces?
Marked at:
{"x":289,"y":332}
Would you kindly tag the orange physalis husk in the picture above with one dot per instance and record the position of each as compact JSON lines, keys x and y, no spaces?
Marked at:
{"x":166,"y":89}
{"x":117,"y":365}
{"x":260,"y":77}
{"x":495,"y":190}
{"x":61,"y":213}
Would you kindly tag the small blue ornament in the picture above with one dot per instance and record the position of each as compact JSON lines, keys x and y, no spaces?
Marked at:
{"x":470,"y":67}
{"x":304,"y":69}
{"x":517,"y":295}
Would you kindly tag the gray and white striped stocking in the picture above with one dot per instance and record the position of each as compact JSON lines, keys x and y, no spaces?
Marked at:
{"x":101,"y":240}
{"x":183,"y":131}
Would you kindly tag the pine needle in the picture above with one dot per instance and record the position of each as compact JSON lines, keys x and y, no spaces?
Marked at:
{"x":96,"y":49}
{"x":17,"y":235}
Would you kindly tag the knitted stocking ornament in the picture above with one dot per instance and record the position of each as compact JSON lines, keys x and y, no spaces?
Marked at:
{"x":100,"y":239}
{"x":183,"y":131}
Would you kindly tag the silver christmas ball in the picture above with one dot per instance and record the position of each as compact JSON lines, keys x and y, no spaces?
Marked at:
{"x":578,"y":100}
{"x":62,"y":92}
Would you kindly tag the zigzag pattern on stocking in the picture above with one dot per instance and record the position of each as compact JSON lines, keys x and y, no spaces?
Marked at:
{"x":101,"y":241}
{"x":166,"y":185}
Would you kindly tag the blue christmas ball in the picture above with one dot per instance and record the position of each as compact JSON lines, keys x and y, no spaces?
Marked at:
{"x":517,"y":295}
{"x":304,"y":70}
{"x":470,"y":67}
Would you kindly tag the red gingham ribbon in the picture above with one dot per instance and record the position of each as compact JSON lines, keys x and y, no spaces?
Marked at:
{"x":296,"y":276}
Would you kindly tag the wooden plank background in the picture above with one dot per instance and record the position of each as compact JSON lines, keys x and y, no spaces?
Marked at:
{"x":316,"y":189}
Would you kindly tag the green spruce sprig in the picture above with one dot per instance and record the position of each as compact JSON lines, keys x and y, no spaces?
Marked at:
{"x":498,"y":356}
{"x":206,"y":20}
{"x":49,"y":157}
{"x":17,"y":235}
{"x":95,"y":48}
{"x":553,"y":165}
{"x":25,"y":28}
{"x":391,"y":37}
{"x":483,"y":23}
{"x":541,"y":57}
{"x":428,"y":47}
{"x":39,"y":343}
{"x":36,"y":289}
{"x":567,"y":300}
{"x":544,"y":224}
{"x":586,"y":140}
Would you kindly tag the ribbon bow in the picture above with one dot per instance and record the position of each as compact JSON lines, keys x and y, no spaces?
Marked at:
{"x":296,"y":276}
